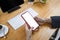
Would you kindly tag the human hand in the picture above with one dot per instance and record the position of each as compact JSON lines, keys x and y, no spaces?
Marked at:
{"x":40,"y":21}
{"x":28,"y":27}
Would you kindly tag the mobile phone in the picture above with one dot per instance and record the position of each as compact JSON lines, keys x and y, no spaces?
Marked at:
{"x":27,"y":17}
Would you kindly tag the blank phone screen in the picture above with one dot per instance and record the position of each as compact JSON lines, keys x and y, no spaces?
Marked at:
{"x":30,"y":20}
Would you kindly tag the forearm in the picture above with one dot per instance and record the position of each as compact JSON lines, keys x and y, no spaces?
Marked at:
{"x":54,"y":21}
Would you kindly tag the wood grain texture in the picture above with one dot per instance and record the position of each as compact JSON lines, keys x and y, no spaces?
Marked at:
{"x":52,"y":7}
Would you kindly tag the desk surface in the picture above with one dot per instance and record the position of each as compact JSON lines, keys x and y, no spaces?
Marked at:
{"x":51,"y":8}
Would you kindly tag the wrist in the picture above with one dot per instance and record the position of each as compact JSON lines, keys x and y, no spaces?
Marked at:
{"x":47,"y":21}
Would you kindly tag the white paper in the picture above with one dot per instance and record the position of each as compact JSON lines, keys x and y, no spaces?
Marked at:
{"x":16,"y":22}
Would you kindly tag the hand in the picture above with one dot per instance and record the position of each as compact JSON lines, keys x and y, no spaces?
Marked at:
{"x":40,"y":21}
{"x":28,"y":27}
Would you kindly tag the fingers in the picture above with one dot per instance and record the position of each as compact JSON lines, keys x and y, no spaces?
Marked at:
{"x":36,"y":18}
{"x":31,"y":28}
{"x":27,"y":25}
{"x":40,"y":21}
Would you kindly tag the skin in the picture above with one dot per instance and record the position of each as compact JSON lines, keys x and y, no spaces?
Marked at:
{"x":40,"y":21}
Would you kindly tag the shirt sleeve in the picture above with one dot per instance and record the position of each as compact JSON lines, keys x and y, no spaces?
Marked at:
{"x":55,"y":21}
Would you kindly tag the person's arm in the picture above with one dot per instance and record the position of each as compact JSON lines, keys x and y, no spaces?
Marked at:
{"x":55,"y":21}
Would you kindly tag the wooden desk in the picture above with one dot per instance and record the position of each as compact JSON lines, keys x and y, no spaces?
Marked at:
{"x":44,"y":10}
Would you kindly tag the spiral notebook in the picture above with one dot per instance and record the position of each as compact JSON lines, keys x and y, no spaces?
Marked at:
{"x":16,"y":22}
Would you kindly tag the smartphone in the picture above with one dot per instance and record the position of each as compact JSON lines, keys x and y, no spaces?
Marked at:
{"x":27,"y":17}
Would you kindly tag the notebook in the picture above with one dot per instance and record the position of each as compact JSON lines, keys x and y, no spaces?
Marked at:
{"x":17,"y":21}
